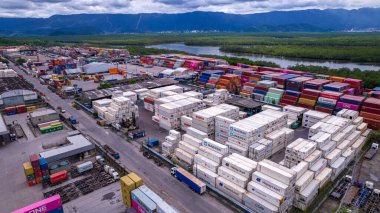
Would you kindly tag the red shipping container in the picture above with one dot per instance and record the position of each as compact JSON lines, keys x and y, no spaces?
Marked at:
{"x":289,"y":97}
{"x":371,"y":110}
{"x":310,"y":97}
{"x":331,"y":95}
{"x":322,"y":109}
{"x":305,"y":106}
{"x":21,"y":109}
{"x":311,"y":92}
{"x":37,"y":173}
{"x":149,"y":100}
{"x":370,"y":115}
{"x":372,"y":102}
{"x":59,"y":176}
{"x":34,"y":160}
{"x":372,"y":124}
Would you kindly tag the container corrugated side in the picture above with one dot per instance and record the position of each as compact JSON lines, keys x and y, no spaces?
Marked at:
{"x":265,"y":193}
{"x":230,"y":189}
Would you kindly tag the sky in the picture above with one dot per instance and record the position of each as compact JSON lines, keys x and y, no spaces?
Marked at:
{"x":46,"y":8}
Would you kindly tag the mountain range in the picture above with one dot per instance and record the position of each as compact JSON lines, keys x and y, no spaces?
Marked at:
{"x":329,"y":20}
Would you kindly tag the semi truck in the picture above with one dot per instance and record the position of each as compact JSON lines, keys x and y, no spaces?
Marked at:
{"x":184,"y":176}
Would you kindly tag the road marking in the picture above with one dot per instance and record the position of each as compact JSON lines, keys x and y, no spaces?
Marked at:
{"x":106,"y":132}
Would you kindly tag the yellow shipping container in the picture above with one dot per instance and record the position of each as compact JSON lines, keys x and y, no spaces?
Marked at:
{"x":138,"y":181}
{"x":28,"y":169}
{"x":31,"y":108}
{"x":127,"y":183}
{"x":306,"y":101}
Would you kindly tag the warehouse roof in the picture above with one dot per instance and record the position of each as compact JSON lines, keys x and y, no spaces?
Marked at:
{"x":14,"y":83}
{"x":78,"y":144}
{"x":42,"y":112}
{"x":243,"y":102}
{"x":3,"y":127}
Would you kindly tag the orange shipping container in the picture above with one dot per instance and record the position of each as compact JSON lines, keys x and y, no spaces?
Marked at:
{"x":113,"y":71}
{"x":337,"y":79}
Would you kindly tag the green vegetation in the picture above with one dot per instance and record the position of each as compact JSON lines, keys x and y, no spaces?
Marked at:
{"x":104,"y":86}
{"x":370,"y":79}
{"x":373,"y":137}
{"x":141,"y":50}
{"x":4,"y":60}
{"x":132,"y":81}
{"x":236,"y":60}
{"x":20,"y":61}
{"x":346,"y":53}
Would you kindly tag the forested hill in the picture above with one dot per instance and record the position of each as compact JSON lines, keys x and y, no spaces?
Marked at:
{"x":304,"y":20}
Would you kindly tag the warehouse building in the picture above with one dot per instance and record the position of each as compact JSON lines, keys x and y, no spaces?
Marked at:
{"x":249,"y":106}
{"x":97,"y":67}
{"x":78,"y":147}
{"x":16,"y":91}
{"x":43,"y":116}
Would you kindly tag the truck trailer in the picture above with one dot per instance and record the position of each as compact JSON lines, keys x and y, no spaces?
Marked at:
{"x":189,"y":179}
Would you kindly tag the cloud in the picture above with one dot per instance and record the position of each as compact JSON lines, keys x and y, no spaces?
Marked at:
{"x":46,"y":8}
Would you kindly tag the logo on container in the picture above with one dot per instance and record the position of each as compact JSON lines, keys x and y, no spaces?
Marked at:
{"x":40,"y":209}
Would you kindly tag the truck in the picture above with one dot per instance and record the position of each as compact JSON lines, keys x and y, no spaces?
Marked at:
{"x":100,"y":160}
{"x":112,"y":152}
{"x":73,"y":120}
{"x":184,"y":176}
{"x":134,"y":134}
{"x":85,"y":166}
{"x":372,"y":151}
{"x":152,"y":142}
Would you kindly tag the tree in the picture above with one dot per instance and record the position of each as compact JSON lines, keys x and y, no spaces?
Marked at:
{"x":20,"y":61}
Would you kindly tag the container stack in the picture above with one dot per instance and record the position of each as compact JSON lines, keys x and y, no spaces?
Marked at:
{"x":154,"y":94}
{"x":337,"y":87}
{"x":222,"y":125}
{"x":296,"y":84}
{"x":171,"y":142}
{"x":208,"y":160}
{"x":129,"y":183}
{"x":347,"y":113}
{"x":186,"y":122}
{"x":327,"y":101}
{"x":218,"y":97}
{"x":298,"y":151}
{"x":121,"y":109}
{"x":282,"y":80}
{"x":44,"y":169}
{"x":204,"y":120}
{"x":308,"y":98}
{"x":230,"y":82}
{"x":356,"y":84}
{"x":261,"y":89}
{"x":170,"y":113}
{"x":371,"y":112}
{"x":316,"y":84}
{"x":206,"y":75}
{"x":273,"y":96}
{"x":51,"y":126}
{"x":245,"y":132}
{"x":141,"y":93}
{"x":294,"y":113}
{"x":349,"y":102}
{"x":29,"y":173}
{"x":312,"y":117}
{"x":188,"y":147}
{"x":34,"y":160}
{"x":254,"y":78}
{"x":271,"y":188}
{"x":234,"y":175}
{"x":212,"y":81}
{"x":290,"y":98}
{"x":247,"y":89}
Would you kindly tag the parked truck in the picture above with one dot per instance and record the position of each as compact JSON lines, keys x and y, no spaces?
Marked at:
{"x":112,"y":152}
{"x":153,"y":142}
{"x":189,"y":179}
{"x":134,"y":134}
{"x":372,"y":151}
{"x":85,"y":166}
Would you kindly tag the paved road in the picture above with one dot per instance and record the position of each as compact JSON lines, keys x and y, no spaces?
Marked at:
{"x":159,"y":179}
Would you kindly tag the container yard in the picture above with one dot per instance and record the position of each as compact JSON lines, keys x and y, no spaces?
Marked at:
{"x":228,"y":139}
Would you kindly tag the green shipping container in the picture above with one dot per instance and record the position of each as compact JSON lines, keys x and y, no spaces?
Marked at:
{"x":30,"y":177}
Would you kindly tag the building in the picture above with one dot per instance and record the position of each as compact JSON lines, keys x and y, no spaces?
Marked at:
{"x":16,"y":91}
{"x":43,"y":116}
{"x":97,"y":67}
{"x":78,"y":147}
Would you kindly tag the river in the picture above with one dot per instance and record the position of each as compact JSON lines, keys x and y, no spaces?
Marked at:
{"x":282,"y":61}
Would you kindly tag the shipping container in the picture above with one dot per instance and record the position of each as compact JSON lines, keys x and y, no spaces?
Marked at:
{"x":46,"y":205}
{"x":193,"y":182}
{"x":230,"y":189}
{"x":265,"y":193}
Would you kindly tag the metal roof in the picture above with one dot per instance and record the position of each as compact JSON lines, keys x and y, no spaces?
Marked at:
{"x":42,"y":112}
{"x":3,"y":126}
{"x":78,"y":144}
{"x":243,"y":102}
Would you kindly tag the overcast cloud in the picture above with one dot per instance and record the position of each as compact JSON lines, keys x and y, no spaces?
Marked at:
{"x":46,"y":8}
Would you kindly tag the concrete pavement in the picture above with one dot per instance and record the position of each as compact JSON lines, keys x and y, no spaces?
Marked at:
{"x":159,"y":179}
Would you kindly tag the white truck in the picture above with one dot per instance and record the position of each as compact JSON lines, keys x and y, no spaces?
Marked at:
{"x":372,"y":151}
